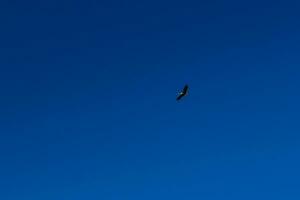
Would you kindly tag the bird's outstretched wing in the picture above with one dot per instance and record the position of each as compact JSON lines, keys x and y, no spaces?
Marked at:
{"x":179,"y":96}
{"x":185,"y":89}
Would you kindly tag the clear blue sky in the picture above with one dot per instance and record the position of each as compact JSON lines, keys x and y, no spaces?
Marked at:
{"x":88,"y":110}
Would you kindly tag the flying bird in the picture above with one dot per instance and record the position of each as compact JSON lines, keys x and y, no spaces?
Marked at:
{"x":183,"y":92}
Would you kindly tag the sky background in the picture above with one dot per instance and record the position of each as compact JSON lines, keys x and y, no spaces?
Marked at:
{"x":88,"y":109}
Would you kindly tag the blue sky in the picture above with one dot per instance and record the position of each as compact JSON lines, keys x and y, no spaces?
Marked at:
{"x":88,"y":106}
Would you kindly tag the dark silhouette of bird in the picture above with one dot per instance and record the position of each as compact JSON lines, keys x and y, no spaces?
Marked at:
{"x":183,"y":92}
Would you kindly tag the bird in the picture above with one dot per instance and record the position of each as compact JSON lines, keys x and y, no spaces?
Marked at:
{"x":183,"y":92}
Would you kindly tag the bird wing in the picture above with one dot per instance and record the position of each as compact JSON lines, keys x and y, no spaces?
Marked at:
{"x":179,"y":96}
{"x":186,"y":87}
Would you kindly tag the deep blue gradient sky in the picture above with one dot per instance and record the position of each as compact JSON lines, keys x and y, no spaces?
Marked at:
{"x":88,"y":110}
